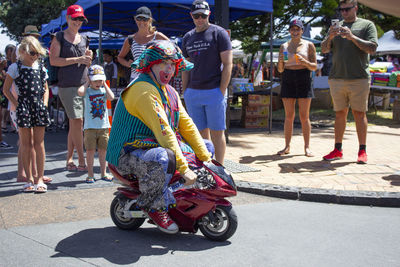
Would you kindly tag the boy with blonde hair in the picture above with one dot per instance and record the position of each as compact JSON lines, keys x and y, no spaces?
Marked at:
{"x":96,"y":124}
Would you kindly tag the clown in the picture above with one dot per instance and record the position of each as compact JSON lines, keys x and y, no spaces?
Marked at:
{"x":152,"y":133}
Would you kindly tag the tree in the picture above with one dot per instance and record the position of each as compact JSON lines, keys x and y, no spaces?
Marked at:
{"x":16,"y":14}
{"x":253,"y":31}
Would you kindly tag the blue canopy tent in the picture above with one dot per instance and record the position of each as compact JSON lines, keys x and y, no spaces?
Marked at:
{"x":172,"y":17}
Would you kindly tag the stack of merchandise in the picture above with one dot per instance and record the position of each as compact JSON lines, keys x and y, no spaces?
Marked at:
{"x":255,"y":111}
{"x":380,"y":79}
{"x":383,"y":74}
{"x":394,"y":79}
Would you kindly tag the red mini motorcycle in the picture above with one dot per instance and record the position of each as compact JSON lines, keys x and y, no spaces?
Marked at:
{"x":202,"y":206}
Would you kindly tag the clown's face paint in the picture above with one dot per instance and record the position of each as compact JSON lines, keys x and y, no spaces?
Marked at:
{"x":164,"y":71}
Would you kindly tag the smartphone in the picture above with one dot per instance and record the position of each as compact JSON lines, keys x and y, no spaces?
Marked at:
{"x":335,"y":23}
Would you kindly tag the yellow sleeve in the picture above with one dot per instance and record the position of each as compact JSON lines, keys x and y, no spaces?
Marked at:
{"x":191,"y":134}
{"x":143,"y":101}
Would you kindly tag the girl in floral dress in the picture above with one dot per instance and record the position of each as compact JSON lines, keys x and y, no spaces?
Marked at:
{"x":30,"y":77}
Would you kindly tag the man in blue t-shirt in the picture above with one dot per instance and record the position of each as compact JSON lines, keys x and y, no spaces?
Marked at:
{"x":209,"y":47}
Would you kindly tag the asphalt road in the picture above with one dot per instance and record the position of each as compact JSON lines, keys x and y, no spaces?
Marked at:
{"x":78,"y":231}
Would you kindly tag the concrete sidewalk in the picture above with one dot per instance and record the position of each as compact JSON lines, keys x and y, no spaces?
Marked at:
{"x":292,"y":176}
{"x":296,"y":176}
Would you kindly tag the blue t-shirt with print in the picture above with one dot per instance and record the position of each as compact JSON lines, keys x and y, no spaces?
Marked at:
{"x":96,"y":113}
{"x":203,"y":49}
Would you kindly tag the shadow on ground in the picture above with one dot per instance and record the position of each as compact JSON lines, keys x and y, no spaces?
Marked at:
{"x":311,"y":166}
{"x":394,"y":179}
{"x":127,"y":247}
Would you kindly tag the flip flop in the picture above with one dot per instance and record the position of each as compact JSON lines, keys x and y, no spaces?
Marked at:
{"x":71,"y":167}
{"x":40,"y":188}
{"x":90,"y":180}
{"x":107,"y":178}
{"x":47,"y":179}
{"x":82,"y":168}
{"x":28,"y":188}
{"x":308,"y":153}
{"x":283,"y":152}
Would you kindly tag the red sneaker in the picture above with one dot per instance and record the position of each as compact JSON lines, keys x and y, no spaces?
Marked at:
{"x":164,"y":222}
{"x":335,"y":154}
{"x":362,"y":157}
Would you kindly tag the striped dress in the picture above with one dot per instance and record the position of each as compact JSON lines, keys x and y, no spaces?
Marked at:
{"x":137,"y":50}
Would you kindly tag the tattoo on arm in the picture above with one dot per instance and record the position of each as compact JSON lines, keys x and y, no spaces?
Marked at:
{"x":365,"y":46}
{"x":326,"y":45}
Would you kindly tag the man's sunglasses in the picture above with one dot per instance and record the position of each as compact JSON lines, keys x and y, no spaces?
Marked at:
{"x":197,"y":16}
{"x":142,"y":19}
{"x":33,"y":53}
{"x":345,"y":9}
{"x":78,"y":19}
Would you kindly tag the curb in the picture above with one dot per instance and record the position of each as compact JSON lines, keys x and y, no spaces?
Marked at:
{"x":364,"y":198}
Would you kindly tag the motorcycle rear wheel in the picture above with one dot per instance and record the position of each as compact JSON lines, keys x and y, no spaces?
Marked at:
{"x":117,"y":215}
{"x":224,"y":225}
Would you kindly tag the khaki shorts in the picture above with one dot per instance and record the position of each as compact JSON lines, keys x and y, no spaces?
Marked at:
{"x":96,"y":138}
{"x":353,"y":93}
{"x":72,"y":102}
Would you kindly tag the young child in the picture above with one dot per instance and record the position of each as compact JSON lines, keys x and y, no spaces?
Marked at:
{"x":96,"y":125}
{"x":30,"y":77}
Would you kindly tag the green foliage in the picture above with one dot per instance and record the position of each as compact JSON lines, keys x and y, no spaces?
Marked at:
{"x":255,"y":30}
{"x":16,"y":14}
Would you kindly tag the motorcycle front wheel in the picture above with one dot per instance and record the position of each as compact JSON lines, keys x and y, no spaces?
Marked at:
{"x":221,"y":225}
{"x":117,"y":215}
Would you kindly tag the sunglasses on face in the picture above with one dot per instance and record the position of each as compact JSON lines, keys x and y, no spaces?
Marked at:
{"x":197,"y":16}
{"x":33,"y":53}
{"x":345,"y":9}
{"x":142,"y":19}
{"x":78,"y":19}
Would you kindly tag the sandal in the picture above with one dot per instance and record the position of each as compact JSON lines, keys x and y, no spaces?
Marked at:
{"x":71,"y":167}
{"x":90,"y":180}
{"x":28,"y":187}
{"x":21,"y":179}
{"x":308,"y":153}
{"x":47,"y":179}
{"x":284,"y":151}
{"x":107,"y":177}
{"x":40,"y":188}
{"x":82,"y":168}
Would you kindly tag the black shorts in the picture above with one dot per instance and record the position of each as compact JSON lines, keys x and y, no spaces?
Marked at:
{"x":296,"y":84}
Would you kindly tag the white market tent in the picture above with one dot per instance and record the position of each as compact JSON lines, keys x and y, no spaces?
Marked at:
{"x":388,"y":44}
{"x":391,"y":7}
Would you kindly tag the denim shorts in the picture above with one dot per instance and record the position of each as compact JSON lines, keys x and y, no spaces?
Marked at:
{"x":207,"y":108}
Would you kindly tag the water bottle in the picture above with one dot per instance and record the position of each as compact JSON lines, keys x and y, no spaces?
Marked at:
{"x":285,"y":54}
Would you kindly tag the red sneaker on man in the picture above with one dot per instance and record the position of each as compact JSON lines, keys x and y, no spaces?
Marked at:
{"x":362,"y":157}
{"x":335,"y":154}
{"x":164,"y":222}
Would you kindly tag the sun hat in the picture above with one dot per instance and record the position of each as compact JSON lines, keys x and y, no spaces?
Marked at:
{"x":76,"y":11}
{"x":200,"y":6}
{"x":31,"y":30}
{"x":297,"y":23}
{"x":143,"y":11}
{"x":160,"y":50}
{"x":96,"y":73}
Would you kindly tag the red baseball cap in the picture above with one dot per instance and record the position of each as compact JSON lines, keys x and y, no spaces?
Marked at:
{"x":75,"y":11}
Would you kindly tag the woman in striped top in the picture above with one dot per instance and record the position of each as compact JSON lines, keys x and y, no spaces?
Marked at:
{"x":136,"y":43}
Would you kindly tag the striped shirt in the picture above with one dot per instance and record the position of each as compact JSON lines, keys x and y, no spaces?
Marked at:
{"x":137,"y":50}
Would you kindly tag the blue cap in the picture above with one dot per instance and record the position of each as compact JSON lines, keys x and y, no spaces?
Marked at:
{"x":296,"y":22}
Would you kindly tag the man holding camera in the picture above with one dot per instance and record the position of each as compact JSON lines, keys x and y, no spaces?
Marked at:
{"x":351,"y":42}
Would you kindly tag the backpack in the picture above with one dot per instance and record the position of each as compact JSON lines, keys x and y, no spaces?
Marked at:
{"x":129,"y":56}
